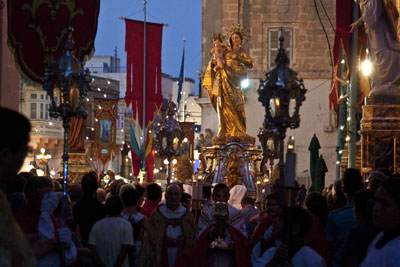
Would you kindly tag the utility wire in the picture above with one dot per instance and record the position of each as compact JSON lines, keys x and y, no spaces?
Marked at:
{"x":316,"y":87}
{"x":326,"y":13}
{"x":327,"y":37}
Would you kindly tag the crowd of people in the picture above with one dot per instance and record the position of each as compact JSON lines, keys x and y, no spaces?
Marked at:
{"x":351,"y":223}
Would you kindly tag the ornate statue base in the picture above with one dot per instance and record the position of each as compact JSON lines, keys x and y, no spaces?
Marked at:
{"x":77,"y":166}
{"x":380,"y":134}
{"x":231,"y":160}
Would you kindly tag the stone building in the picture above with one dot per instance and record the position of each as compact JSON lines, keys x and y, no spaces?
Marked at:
{"x":307,"y":47}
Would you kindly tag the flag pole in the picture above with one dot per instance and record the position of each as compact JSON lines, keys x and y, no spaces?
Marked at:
{"x":183,"y":81}
{"x":352,"y":129}
{"x":180,"y":84}
{"x":144,"y":90}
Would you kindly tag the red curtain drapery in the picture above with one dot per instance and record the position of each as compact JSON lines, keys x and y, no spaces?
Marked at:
{"x":37,"y":32}
{"x":343,"y":40}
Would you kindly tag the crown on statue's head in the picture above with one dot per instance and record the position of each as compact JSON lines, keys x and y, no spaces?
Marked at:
{"x":237,"y":28}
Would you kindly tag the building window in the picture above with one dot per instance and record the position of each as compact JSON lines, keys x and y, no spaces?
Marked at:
{"x":120,"y":121}
{"x":41,"y":96}
{"x":46,"y":112}
{"x":33,"y":110}
{"x":33,"y":96}
{"x":273,"y":44}
{"x":41,"y":111}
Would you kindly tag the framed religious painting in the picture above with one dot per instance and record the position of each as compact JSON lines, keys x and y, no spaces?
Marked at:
{"x":106,"y":113}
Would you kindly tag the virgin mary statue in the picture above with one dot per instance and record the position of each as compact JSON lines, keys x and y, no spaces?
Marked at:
{"x":223,"y":85}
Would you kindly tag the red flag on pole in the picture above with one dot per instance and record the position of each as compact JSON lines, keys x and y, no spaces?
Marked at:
{"x":134,"y":77}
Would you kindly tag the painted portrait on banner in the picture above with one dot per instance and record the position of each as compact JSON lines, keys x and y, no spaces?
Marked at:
{"x":105,"y":127}
{"x":106,"y":112}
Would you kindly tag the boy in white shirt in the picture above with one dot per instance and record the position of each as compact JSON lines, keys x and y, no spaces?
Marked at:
{"x":111,"y":237}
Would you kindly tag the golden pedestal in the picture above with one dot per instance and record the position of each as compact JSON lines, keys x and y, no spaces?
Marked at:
{"x":380,"y":137}
{"x":231,"y":160}
{"x":77,"y":166}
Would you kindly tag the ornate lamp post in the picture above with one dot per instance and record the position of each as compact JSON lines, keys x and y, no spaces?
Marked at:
{"x":66,"y":83}
{"x":282,"y":94}
{"x":169,"y":138}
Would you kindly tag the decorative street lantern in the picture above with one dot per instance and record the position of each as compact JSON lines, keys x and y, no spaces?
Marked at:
{"x":282,"y":94}
{"x":66,"y":83}
{"x":169,"y":138}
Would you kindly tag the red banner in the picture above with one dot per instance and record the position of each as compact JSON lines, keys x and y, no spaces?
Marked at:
{"x":37,"y":31}
{"x":134,"y":83}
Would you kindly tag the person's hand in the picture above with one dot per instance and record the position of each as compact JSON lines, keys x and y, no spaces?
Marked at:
{"x":64,"y":235}
{"x":353,"y":26}
{"x":49,"y":203}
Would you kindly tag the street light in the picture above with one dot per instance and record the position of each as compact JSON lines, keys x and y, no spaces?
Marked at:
{"x":169,"y":138}
{"x":282,"y":94}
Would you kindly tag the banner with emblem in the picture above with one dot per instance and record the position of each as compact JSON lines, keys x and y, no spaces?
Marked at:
{"x":37,"y":31}
{"x":105,"y":139}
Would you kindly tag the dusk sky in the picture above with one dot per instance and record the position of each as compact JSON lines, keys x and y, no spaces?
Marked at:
{"x":184,"y":21}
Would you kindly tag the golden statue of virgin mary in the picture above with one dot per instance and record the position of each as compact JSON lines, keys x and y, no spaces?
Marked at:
{"x":223,"y":85}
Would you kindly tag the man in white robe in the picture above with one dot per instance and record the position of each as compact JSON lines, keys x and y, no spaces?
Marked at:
{"x":171,"y":228}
